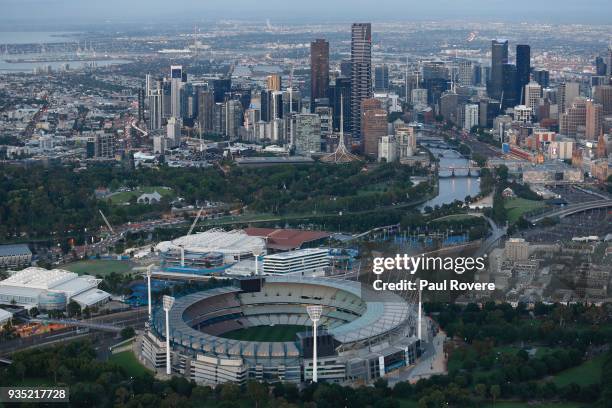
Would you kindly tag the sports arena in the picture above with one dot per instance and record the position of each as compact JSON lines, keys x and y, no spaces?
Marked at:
{"x":260,"y":329}
{"x":210,"y":251}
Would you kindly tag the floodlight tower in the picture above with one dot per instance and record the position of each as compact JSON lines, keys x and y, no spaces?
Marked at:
{"x":182,"y":256}
{"x":149,"y":273}
{"x":256,"y":253}
{"x":314,"y":312}
{"x":168,"y":302}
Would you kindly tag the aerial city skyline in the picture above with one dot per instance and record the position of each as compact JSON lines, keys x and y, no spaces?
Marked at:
{"x":272,"y":211}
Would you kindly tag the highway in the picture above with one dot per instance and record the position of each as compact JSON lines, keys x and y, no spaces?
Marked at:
{"x":571,"y":209}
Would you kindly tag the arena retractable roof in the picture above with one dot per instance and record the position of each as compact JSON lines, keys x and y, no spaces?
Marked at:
{"x":216,"y":240}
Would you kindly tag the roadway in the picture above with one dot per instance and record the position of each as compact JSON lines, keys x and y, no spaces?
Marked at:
{"x":432,"y":361}
{"x":571,"y":209}
{"x":133,"y":317}
{"x":491,"y":241}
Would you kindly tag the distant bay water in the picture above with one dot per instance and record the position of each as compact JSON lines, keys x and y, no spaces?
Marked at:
{"x":34,"y":37}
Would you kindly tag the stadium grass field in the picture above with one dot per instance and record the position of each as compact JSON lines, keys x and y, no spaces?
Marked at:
{"x":279,"y":332}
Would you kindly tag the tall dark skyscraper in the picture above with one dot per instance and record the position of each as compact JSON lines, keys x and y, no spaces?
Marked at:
{"x":361,"y":72}
{"x":266,"y":105}
{"x":509,"y":87}
{"x":319,"y":70}
{"x":381,"y":78}
{"x":345,"y":68}
{"x":600,"y":66}
{"x":342,"y":87}
{"x":499,"y":57}
{"x":523,"y":70}
{"x":542,"y":77}
{"x":220,"y":88}
{"x":206,"y":102}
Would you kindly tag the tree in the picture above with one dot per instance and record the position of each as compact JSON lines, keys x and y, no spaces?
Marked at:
{"x":480,"y":160}
{"x":481,"y":390}
{"x":495,"y":392}
{"x":73,"y":309}
{"x":20,"y":370}
{"x":257,"y":392}
{"x":127,"y":333}
{"x":33,"y":312}
{"x":499,"y":211}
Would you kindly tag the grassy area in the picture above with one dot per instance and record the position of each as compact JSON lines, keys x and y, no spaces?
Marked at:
{"x":128,"y":361}
{"x":512,"y":404}
{"x":519,"y":206}
{"x":373,"y":188}
{"x":406,"y":403}
{"x":97,"y":267}
{"x":125,"y":196}
{"x":456,"y":217}
{"x":586,"y":373}
{"x":280,"y":332}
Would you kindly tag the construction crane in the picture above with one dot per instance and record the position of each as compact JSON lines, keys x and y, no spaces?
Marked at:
{"x":106,"y":221}
{"x":195,"y":221}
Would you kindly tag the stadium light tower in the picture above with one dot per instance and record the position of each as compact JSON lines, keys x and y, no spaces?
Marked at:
{"x":168,"y":302}
{"x":149,"y":272}
{"x":182,"y":256}
{"x":314,"y":312}
{"x":256,"y":253}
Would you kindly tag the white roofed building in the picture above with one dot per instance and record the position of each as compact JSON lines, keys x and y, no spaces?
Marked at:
{"x":33,"y":286}
{"x":234,"y":245}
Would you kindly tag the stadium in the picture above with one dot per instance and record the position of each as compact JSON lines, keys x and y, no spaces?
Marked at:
{"x":260,"y":329}
{"x":209,"y":252}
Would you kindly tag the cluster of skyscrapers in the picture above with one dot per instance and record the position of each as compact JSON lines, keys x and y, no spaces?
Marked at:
{"x":274,"y":114}
{"x":512,"y":98}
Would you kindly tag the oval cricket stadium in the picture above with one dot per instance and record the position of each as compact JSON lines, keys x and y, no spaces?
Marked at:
{"x":260,"y":329}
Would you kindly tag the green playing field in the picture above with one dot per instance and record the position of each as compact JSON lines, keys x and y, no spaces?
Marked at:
{"x":279,"y":332}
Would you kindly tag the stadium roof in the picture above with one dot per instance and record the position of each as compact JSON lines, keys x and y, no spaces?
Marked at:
{"x":91,"y":297}
{"x":286,"y":239}
{"x":38,"y":278}
{"x":216,"y":240}
{"x":379,"y":318}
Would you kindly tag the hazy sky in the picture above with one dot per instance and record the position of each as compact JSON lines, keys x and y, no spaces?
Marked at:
{"x":73,"y":11}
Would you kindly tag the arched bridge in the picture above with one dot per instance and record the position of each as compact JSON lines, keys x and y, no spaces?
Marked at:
{"x":459,"y":171}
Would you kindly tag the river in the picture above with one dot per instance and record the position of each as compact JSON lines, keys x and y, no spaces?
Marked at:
{"x":452,"y":188}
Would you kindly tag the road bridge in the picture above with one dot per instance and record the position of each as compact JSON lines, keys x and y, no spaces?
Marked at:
{"x":81,"y":323}
{"x":571,"y":209}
